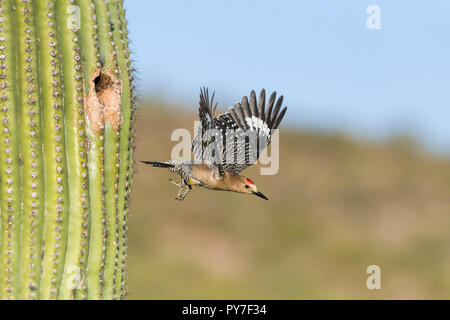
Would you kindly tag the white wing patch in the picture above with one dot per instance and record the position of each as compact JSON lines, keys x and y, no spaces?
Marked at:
{"x":257,"y":124}
{"x":249,"y":122}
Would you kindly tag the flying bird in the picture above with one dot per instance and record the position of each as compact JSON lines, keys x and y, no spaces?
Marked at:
{"x":227,"y":144}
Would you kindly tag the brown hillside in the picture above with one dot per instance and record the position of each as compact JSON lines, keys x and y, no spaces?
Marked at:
{"x":336,"y":206}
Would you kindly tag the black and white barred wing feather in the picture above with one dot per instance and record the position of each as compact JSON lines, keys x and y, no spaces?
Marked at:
{"x":206,"y":115}
{"x":255,"y":129}
{"x":238,"y":136}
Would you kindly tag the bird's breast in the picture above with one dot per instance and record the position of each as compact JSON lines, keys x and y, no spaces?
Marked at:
{"x":204,"y":175}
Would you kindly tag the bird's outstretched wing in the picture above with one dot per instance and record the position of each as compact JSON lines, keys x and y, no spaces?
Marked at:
{"x":234,"y":140}
{"x":206,"y":114}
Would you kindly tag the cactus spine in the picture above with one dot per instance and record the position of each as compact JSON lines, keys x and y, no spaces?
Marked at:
{"x":66,"y":158}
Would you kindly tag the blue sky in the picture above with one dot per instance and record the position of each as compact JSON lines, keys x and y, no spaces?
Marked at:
{"x":334,"y":72}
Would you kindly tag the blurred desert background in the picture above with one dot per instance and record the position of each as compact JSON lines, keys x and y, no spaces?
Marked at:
{"x":364,"y":173}
{"x":336,"y":206}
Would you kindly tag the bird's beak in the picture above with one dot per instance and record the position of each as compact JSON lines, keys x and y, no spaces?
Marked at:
{"x":259,"y":194}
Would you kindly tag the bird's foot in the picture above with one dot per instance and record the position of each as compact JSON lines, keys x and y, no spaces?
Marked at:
{"x":181,"y":195}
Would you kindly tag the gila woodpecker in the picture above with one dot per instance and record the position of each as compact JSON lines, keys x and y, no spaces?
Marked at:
{"x":227,"y":144}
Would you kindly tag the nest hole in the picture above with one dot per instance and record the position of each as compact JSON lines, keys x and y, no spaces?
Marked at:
{"x":103,"y":103}
{"x":105,"y":89}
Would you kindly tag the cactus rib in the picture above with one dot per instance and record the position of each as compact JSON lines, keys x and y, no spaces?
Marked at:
{"x":10,"y":182}
{"x":65,"y":148}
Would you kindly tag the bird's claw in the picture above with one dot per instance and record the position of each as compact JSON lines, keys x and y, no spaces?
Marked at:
{"x":181,"y":195}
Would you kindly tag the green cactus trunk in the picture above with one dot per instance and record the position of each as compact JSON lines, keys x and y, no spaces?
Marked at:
{"x":66,"y":159}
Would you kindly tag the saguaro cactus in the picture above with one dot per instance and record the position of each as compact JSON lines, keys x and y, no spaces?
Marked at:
{"x":66,"y":155}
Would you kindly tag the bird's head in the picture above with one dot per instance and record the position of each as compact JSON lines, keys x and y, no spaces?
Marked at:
{"x":247,"y":186}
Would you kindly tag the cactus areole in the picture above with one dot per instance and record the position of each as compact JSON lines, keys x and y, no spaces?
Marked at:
{"x":66,"y":157}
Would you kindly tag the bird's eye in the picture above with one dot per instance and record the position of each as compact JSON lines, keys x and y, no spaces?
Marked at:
{"x":247,"y":186}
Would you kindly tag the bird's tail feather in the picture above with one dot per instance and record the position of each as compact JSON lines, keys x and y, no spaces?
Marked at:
{"x":159,"y":164}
